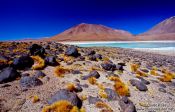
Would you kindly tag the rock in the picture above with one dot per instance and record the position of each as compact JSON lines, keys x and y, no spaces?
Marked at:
{"x":93,"y":73}
{"x":93,"y":100}
{"x":81,"y":58}
{"x":122,"y":64}
{"x":108,"y":66}
{"x":78,"y":88}
{"x":25,"y":74}
{"x":119,"y":67}
{"x":27,"y":82}
{"x":23,"y":62}
{"x":138,"y":84}
{"x":36,"y":49}
{"x":8,"y":74}
{"x":145,"y":70}
{"x":39,"y":74}
{"x":84,"y":85}
{"x":72,"y":51}
{"x":143,"y":80}
{"x":76,"y":72}
{"x":90,"y":52}
{"x":98,"y":56}
{"x":126,"y":105}
{"x":92,"y":58}
{"x":112,"y":95}
{"x":64,"y":94}
{"x":51,"y":61}
{"x":162,"y":85}
{"x":162,"y":90}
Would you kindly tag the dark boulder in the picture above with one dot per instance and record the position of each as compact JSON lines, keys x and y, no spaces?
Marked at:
{"x":8,"y":74}
{"x":144,"y":80}
{"x":51,"y":60}
{"x":81,"y":58}
{"x":108,"y":66}
{"x":138,"y":84}
{"x":90,"y":52}
{"x":28,"y":82}
{"x":126,"y":105}
{"x":93,"y":73}
{"x":64,"y":94}
{"x":111,"y":94}
{"x":23,"y":62}
{"x":39,"y":74}
{"x":98,"y":56}
{"x":36,"y":49}
{"x":92,"y":58}
{"x":72,"y":51}
{"x":119,"y":67}
{"x":93,"y":100}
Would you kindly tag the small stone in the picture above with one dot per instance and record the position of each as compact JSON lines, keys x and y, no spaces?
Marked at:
{"x":138,"y":84}
{"x":162,"y":90}
{"x":27,"y":82}
{"x":93,"y":73}
{"x":93,"y":100}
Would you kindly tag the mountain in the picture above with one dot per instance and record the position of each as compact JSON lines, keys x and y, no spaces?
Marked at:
{"x":164,"y":30}
{"x":92,"y":32}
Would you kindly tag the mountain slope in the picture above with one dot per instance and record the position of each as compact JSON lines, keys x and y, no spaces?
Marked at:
{"x":164,"y":30}
{"x":164,"y":27}
{"x":92,"y":32}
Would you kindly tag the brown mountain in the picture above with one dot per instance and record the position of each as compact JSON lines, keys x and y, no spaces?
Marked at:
{"x":92,"y":32}
{"x":165,"y":30}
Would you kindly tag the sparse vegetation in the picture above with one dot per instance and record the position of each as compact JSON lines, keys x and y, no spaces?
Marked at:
{"x":61,"y":106}
{"x":92,"y":80}
{"x":134,"y":67}
{"x":60,"y":71}
{"x":39,"y":63}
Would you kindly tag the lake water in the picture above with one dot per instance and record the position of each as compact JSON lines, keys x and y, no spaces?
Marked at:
{"x":162,"y":45}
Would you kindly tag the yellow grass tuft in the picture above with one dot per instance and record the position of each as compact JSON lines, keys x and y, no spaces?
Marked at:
{"x":113,"y":78}
{"x":102,"y":105}
{"x":71,"y":87}
{"x":134,"y":67}
{"x":92,"y":80}
{"x":153,"y":72}
{"x":39,"y":63}
{"x":61,"y":106}
{"x":121,"y":88}
{"x":60,"y":71}
{"x":35,"y":99}
{"x":102,"y":94}
{"x":140,"y":73}
{"x":100,"y":86}
{"x":83,"y":97}
{"x":167,"y":77}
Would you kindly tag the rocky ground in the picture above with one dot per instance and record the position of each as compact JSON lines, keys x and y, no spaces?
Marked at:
{"x":52,"y":77}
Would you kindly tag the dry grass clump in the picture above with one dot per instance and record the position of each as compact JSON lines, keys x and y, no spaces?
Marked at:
{"x":102,"y":94}
{"x":100,"y":86}
{"x":95,"y":68}
{"x":39,"y":63}
{"x":140,"y":73}
{"x":35,"y":99}
{"x":103,"y":105}
{"x":71,"y":87}
{"x":68,"y":58}
{"x":153,"y":72}
{"x":114,"y":78}
{"x":83,"y":97}
{"x":92,"y":80}
{"x":134,"y":67}
{"x":106,"y":59}
{"x":167,"y":77}
{"x":61,"y":106}
{"x":60,"y":71}
{"x":121,"y":88}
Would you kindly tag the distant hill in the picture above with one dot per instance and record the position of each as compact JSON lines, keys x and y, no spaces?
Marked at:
{"x":164,"y":30}
{"x":92,"y":32}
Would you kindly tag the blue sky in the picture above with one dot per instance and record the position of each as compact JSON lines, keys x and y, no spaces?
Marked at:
{"x":44,"y":18}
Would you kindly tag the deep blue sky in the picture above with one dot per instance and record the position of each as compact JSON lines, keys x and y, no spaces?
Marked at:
{"x":44,"y":18}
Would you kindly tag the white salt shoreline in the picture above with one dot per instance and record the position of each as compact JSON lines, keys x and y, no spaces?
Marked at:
{"x":103,"y":42}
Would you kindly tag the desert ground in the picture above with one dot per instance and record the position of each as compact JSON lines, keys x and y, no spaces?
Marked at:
{"x":54,"y":77}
